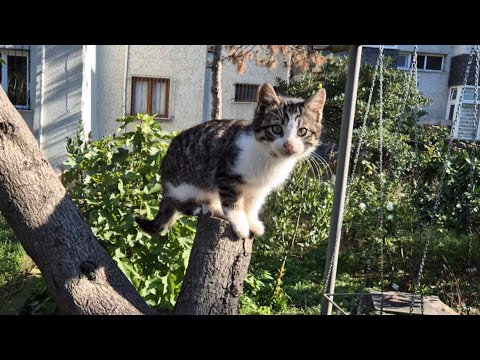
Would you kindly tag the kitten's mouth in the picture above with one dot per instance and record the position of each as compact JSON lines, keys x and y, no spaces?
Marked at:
{"x":288,"y":153}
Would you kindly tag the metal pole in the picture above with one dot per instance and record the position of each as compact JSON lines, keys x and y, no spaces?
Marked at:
{"x":355,"y":54}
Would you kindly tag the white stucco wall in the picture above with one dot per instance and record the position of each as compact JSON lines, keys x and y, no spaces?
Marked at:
{"x":461,"y":49}
{"x":185,"y":66}
{"x":253,"y":75}
{"x":434,"y":84}
{"x":62,"y":99}
{"x":110,"y":86}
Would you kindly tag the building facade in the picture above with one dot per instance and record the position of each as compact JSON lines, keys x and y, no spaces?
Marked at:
{"x":441,"y":73}
{"x":56,"y":86}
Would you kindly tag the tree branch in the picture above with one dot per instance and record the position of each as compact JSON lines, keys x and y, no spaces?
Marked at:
{"x":218,"y":265}
{"x":78,"y":272}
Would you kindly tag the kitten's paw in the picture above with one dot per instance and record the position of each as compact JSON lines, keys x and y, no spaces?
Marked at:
{"x":257,"y":227}
{"x":239,"y":222}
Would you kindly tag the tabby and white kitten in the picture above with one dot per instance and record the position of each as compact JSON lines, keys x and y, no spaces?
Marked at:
{"x":228,"y":167}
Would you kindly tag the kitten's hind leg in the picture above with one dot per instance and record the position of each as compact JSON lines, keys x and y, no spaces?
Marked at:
{"x":214,"y":209}
{"x":189,"y":208}
{"x":166,"y":217}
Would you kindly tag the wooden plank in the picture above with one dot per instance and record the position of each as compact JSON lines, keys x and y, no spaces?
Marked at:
{"x":399,"y":303}
{"x":440,"y":307}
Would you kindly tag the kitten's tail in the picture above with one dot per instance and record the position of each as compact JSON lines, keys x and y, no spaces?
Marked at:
{"x":166,"y":217}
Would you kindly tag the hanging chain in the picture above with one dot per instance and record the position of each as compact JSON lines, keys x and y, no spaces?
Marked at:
{"x":412,"y":77}
{"x":411,"y":90}
{"x":357,"y":153}
{"x":472,"y":182}
{"x":380,"y":78}
{"x":382,"y":183}
{"x":416,"y":106}
{"x":442,"y":180}
{"x":415,"y":111}
{"x":365,"y":117}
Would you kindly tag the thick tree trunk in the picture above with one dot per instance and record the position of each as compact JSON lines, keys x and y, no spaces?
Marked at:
{"x":217,"y":83}
{"x":218,"y":265}
{"x":79,"y":274}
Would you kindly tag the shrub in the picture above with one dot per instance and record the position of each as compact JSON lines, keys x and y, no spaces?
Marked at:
{"x":117,"y":177}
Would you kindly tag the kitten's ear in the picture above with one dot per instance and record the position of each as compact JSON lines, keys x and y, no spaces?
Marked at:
{"x":267,"y":96}
{"x":316,"y":102}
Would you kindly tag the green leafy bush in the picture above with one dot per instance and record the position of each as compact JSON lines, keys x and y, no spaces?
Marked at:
{"x":11,"y":255}
{"x":411,"y":181}
{"x":297,"y":218}
{"x":332,"y":77}
{"x":116,"y":178}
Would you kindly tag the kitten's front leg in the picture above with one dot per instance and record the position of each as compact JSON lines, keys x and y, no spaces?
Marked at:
{"x":239,"y":221}
{"x":253,"y":204}
{"x":233,"y":208}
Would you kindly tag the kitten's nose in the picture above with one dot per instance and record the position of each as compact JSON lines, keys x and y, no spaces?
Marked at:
{"x":288,"y":145}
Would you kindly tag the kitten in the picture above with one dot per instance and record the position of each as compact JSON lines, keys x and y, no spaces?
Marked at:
{"x":226,"y":168}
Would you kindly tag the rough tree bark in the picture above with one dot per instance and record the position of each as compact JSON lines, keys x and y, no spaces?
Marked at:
{"x":217,"y":83}
{"x":79,"y":274}
{"x":210,"y":287}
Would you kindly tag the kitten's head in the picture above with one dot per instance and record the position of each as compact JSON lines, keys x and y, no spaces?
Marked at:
{"x":288,"y":127}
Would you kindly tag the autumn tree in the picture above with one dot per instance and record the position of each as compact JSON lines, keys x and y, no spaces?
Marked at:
{"x":297,"y":59}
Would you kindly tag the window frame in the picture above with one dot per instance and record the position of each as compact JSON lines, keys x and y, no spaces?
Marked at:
{"x":422,"y":69}
{"x":5,"y":53}
{"x":150,"y":81}
{"x":245,"y":101}
{"x":426,"y":61}
{"x":409,"y":60}
{"x":456,"y":103}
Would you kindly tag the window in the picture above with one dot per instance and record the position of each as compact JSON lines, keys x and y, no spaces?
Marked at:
{"x":429,"y":62}
{"x":14,"y":77}
{"x":464,"y":128}
{"x":424,"y":62}
{"x":150,"y":96}
{"x":246,"y":93}
{"x":451,"y":112}
{"x":453,"y":94}
{"x":403,"y":61}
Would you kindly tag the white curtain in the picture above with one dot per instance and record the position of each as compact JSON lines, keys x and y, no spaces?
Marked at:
{"x":141,"y":96}
{"x":159,"y":99}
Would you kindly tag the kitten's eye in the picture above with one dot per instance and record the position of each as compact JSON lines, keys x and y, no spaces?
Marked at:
{"x":302,"y":132}
{"x":277,"y":129}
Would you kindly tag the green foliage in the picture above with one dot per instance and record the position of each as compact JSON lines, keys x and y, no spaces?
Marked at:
{"x":298,"y":215}
{"x":411,"y":181}
{"x":39,"y":302}
{"x":11,"y":255}
{"x":116,"y":178}
{"x":297,"y":218}
{"x":333,"y":79}
{"x":460,"y":200}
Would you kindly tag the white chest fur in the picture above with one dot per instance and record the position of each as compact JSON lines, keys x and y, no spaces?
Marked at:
{"x":261,"y":171}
